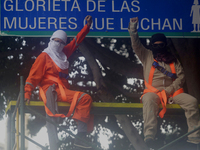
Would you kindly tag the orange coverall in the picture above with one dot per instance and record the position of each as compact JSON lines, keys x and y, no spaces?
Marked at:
{"x":44,"y":65}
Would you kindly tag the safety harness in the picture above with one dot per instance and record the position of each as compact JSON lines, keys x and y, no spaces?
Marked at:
{"x":164,"y":71}
{"x":161,"y":94}
{"x":61,"y":86}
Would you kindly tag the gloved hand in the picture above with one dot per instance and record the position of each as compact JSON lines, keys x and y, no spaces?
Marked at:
{"x":133,"y":24}
{"x":88,"y":18}
{"x":27,"y":100}
{"x":169,"y":99}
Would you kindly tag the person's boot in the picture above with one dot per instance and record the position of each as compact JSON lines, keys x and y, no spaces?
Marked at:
{"x":194,"y":140}
{"x":150,"y":142}
{"x":81,"y":142}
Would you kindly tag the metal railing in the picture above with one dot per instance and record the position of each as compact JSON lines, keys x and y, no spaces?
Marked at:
{"x":18,"y":143}
{"x":178,"y":139}
{"x":20,"y":110}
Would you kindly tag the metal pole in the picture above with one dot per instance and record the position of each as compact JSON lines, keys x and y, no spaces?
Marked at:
{"x":8,"y":130}
{"x":12,"y":132}
{"x":12,"y":126}
{"x":22,"y":112}
{"x":169,"y":144}
{"x":71,"y":134}
{"x":17,"y":130}
{"x":34,"y":142}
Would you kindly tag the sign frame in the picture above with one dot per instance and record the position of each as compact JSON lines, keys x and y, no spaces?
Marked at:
{"x":149,"y":19}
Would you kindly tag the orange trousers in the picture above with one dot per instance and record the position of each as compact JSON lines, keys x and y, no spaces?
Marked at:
{"x":83,"y":106}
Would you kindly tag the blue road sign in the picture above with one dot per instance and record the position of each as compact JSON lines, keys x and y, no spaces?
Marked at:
{"x":175,"y":18}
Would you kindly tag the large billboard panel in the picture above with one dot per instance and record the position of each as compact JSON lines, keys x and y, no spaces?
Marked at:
{"x":175,"y":18}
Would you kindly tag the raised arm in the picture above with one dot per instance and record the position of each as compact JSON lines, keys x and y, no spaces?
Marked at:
{"x":73,"y":45}
{"x":191,"y":11}
{"x":137,"y":46}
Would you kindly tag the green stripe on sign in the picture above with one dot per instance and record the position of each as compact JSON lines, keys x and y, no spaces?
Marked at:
{"x":100,"y":34}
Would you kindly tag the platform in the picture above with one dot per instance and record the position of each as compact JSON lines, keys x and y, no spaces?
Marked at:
{"x":99,"y":108}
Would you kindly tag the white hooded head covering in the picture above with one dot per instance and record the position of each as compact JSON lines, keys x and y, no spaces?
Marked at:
{"x":54,"y":49}
{"x":59,"y":34}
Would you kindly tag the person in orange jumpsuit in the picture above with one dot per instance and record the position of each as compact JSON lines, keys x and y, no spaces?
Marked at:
{"x":50,"y":72}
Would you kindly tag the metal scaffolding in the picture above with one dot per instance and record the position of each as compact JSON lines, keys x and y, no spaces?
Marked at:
{"x":16,"y":139}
